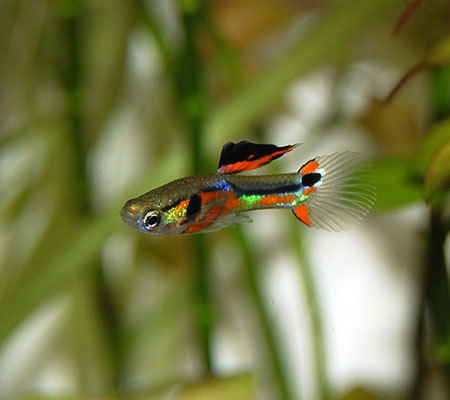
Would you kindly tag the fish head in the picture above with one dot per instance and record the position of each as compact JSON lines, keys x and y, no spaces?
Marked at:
{"x":152,"y":214}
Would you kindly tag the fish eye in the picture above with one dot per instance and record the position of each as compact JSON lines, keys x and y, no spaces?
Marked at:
{"x":151,"y":219}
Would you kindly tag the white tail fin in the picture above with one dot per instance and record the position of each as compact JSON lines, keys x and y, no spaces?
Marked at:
{"x":342,"y":196}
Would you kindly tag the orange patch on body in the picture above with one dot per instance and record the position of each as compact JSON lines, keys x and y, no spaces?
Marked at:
{"x":208,"y":219}
{"x":310,"y":167}
{"x":212,"y":214}
{"x":275,"y":199}
{"x":209,"y":196}
{"x":215,"y":212}
{"x":182,"y":205}
{"x":231,"y":204}
{"x":301,"y":212}
{"x":231,"y":200}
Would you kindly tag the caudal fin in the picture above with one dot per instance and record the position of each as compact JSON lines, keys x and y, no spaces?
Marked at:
{"x":338,"y":191}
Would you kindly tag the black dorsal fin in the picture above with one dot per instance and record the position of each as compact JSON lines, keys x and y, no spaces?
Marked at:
{"x":245,"y":156}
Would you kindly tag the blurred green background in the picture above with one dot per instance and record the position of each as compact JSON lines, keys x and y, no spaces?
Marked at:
{"x":102,"y":100}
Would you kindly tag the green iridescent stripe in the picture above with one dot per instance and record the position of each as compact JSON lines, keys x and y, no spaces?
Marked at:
{"x":252,"y":201}
{"x":303,"y":197}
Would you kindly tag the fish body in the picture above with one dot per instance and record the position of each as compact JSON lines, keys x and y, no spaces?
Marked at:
{"x":329,"y":192}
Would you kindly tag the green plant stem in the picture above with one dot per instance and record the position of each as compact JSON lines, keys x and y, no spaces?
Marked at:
{"x":273,"y":352}
{"x":225,"y":55}
{"x":415,"y":392}
{"x":105,"y":361}
{"x":151,"y":24}
{"x":437,"y":283}
{"x":434,"y":298}
{"x":315,"y":315}
{"x":190,"y":82}
{"x":203,"y":306}
{"x":80,"y":186}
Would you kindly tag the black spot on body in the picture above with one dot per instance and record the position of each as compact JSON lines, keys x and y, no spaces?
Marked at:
{"x":274,"y":189}
{"x":194,"y":206}
{"x":311,"y":179}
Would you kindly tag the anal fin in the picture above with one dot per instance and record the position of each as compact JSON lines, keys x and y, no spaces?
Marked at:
{"x":219,"y":223}
{"x":301,"y":212}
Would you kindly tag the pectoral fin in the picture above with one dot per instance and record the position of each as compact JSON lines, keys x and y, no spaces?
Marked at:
{"x":301,"y":212}
{"x":219,"y":223}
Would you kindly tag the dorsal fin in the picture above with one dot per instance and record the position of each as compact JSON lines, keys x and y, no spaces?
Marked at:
{"x":245,"y":156}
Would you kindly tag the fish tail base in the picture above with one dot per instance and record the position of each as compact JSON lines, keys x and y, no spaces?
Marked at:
{"x":337,"y":191}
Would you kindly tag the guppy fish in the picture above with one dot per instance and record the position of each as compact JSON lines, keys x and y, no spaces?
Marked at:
{"x":328,"y":192}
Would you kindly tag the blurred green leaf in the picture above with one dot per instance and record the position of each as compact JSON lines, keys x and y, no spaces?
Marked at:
{"x":437,"y":177}
{"x":396,"y":183}
{"x":441,"y":91}
{"x":433,"y":161}
{"x":364,"y":394}
{"x":238,"y":388}
{"x":443,"y":352}
{"x":67,"y":8}
{"x":436,"y":137}
{"x":440,"y":54}
{"x":398,"y":180}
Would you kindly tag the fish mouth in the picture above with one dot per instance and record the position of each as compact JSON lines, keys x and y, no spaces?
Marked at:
{"x":128,"y":216}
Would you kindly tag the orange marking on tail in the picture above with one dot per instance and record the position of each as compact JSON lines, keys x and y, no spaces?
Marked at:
{"x":275,"y":199}
{"x":301,"y":212}
{"x":309,"y":190}
{"x":310,"y":167}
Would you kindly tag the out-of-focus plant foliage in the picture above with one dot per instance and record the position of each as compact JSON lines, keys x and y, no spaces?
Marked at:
{"x":101,"y":100}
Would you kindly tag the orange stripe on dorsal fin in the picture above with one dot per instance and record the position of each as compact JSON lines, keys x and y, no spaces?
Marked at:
{"x":245,"y":156}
